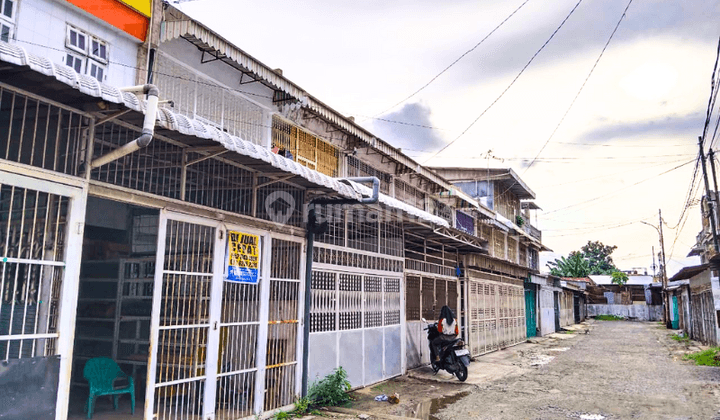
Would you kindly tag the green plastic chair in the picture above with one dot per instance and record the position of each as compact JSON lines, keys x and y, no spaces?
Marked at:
{"x":101,"y":373}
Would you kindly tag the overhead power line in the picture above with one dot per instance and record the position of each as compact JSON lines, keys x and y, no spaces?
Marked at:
{"x":617,"y":191}
{"x":511,"y":83}
{"x":457,"y":60}
{"x":581,"y":87}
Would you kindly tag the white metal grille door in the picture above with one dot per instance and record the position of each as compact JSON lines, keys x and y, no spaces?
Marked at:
{"x":39,"y":268}
{"x":496,"y":314}
{"x":182,"y":300}
{"x":240,"y":321}
{"x":355,"y":323}
{"x":281,"y":370}
{"x":32,"y":228}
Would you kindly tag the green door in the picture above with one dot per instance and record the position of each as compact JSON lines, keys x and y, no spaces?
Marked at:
{"x":530,"y":315}
{"x":676,"y":314}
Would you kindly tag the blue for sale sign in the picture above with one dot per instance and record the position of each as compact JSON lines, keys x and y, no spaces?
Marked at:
{"x":243,"y":257}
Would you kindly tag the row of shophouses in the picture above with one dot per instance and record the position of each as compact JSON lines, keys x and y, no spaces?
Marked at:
{"x":155,"y":182}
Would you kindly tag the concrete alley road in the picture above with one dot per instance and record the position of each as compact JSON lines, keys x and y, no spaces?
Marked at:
{"x":620,"y":370}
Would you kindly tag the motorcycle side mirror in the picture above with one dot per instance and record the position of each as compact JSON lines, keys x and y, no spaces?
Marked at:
{"x":424,"y":320}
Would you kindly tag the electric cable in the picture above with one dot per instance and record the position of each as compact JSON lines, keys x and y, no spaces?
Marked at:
{"x":581,"y":87}
{"x":617,"y":191}
{"x":511,"y":83}
{"x":457,"y":60}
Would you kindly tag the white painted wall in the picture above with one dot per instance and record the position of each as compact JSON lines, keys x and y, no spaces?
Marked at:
{"x":220,"y":72}
{"x":41,"y":28}
{"x":640,"y":312}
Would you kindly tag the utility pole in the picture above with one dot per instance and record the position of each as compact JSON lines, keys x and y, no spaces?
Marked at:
{"x":663,"y":273}
{"x":711,"y":200}
{"x":654,"y":267}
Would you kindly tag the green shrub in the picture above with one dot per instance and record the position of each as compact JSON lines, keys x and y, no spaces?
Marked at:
{"x":331,"y":390}
{"x":282,"y":415}
{"x":680,"y":338}
{"x":707,"y":357}
{"x":301,"y":406}
{"x":609,"y":318}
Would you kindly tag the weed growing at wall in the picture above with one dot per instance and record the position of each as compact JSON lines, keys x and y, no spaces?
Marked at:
{"x":709,"y":357}
{"x":331,"y":390}
{"x":680,"y":338}
{"x":609,"y":318}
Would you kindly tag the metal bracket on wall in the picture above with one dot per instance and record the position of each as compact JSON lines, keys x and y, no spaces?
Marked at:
{"x":215,"y":54}
{"x":249,"y":74}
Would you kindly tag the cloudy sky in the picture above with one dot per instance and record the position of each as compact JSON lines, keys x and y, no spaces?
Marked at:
{"x":625,"y":149}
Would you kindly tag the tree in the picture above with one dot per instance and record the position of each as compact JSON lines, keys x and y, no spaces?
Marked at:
{"x":592,"y":259}
{"x":619,"y":278}
{"x":598,"y":257}
{"x":575,"y":265}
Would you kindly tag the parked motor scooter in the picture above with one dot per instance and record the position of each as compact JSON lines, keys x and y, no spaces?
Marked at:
{"x":454,"y":358}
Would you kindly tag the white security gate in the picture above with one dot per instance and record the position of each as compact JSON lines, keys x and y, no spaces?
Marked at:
{"x":222,"y":349}
{"x":41,"y":229}
{"x":355,"y":323}
{"x":497,"y":315}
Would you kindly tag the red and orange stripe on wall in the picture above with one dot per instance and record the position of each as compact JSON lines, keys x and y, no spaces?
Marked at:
{"x":130,"y":16}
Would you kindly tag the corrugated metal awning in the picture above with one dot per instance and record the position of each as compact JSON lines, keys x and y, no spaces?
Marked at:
{"x":260,"y":157}
{"x":180,"y":25}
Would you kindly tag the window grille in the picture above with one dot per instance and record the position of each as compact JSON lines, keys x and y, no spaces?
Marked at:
{"x":335,"y":216}
{"x":499,"y":245}
{"x":523,"y":256}
{"x":409,"y":194}
{"x":512,"y":249}
{"x":304,"y":147}
{"x":428,"y":299}
{"x":281,"y":362}
{"x":412,"y":298}
{"x":350,"y":301}
{"x":352,"y":259}
{"x":322,"y":311}
{"x":441,"y":209}
{"x":199,"y":97}
{"x":219,"y":185}
{"x":357,"y":168}
{"x":32,"y":232}
{"x":155,"y":169}
{"x":391,"y":239}
{"x":39,"y":134}
{"x":391,"y":288}
{"x":363,"y":229}
{"x":373,"y":302}
{"x":280,"y":202}
{"x":534,"y":259}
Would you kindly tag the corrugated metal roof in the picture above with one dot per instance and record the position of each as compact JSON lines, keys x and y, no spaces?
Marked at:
{"x":632,"y":280}
{"x":167,"y":119}
{"x":183,"y":26}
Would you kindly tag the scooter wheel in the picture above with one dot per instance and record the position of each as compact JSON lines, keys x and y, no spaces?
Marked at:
{"x":462,"y":373}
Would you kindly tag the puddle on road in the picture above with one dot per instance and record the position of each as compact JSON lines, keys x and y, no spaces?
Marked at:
{"x":559,"y":349}
{"x":540,"y":359}
{"x":426,"y":410}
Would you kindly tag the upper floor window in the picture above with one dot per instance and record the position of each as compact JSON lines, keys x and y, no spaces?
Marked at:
{"x":7,"y":19}
{"x":87,"y":53}
{"x":305,"y":148}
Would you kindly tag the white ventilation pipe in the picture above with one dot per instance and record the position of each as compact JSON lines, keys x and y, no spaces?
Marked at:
{"x":148,"y":129}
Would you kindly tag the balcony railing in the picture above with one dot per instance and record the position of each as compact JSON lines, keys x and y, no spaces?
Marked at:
{"x":532,"y":231}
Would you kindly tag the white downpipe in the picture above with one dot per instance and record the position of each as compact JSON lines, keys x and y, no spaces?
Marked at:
{"x":148,"y":129}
